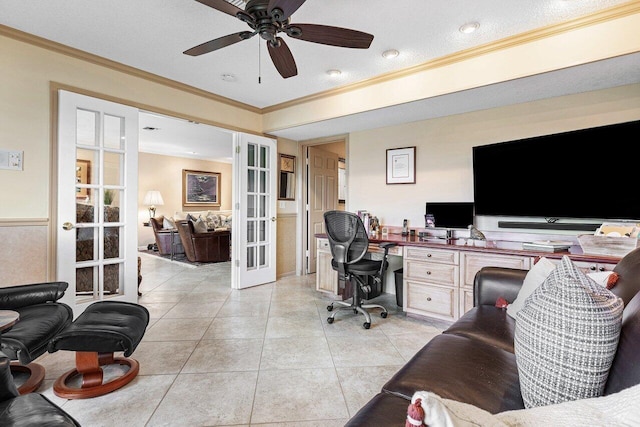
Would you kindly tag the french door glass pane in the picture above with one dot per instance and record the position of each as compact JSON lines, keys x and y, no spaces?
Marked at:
{"x":263,"y":231}
{"x":86,"y":242}
{"x":251,"y":231}
{"x":264,"y":181}
{"x":251,"y":155}
{"x":113,"y":132}
{"x":263,"y":255}
{"x":264,"y":156}
{"x":251,"y":181}
{"x":112,"y":242}
{"x":251,"y":206}
{"x":87,"y":127}
{"x":251,"y":257}
{"x":113,"y":168}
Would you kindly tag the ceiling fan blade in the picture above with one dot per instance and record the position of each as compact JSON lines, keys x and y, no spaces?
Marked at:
{"x":222,"y":6}
{"x":218,"y":43}
{"x":333,"y":36}
{"x":286,"y":6}
{"x":282,"y":58}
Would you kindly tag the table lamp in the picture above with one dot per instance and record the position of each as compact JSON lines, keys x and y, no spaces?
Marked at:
{"x":153,"y":198}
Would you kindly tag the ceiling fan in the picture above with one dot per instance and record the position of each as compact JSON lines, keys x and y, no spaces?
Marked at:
{"x":270,"y":17}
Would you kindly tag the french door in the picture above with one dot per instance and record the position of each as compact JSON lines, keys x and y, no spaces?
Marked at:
{"x":97,"y":200}
{"x":254,"y":202}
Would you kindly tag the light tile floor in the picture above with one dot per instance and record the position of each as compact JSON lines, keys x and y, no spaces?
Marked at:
{"x":263,"y":356}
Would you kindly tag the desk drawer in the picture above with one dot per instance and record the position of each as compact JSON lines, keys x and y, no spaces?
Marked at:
{"x":431,"y":300}
{"x":432,"y":255}
{"x":432,"y":272}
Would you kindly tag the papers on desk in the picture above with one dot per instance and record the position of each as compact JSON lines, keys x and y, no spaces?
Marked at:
{"x":547,"y":245}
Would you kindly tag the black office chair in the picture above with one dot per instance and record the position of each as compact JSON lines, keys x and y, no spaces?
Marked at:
{"x":349,"y":244}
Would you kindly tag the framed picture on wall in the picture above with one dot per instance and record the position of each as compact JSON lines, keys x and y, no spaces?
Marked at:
{"x":200,"y":188}
{"x":401,"y":165}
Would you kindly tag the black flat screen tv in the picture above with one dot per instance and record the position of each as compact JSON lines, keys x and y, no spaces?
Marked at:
{"x":588,"y":173}
{"x":450,"y":214}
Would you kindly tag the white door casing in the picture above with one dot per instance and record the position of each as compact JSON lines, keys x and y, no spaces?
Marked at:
{"x":254,"y":211}
{"x":96,"y":241}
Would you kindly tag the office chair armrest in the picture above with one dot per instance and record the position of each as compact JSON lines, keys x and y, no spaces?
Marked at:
{"x":387,"y":245}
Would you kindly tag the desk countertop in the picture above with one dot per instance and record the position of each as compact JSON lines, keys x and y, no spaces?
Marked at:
{"x":506,"y":247}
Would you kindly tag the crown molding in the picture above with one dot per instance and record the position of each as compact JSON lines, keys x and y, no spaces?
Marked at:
{"x":117,"y":66}
{"x":611,"y":14}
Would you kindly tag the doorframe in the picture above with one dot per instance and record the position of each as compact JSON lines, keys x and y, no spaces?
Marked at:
{"x":303,"y":217}
{"x":54,"y":87}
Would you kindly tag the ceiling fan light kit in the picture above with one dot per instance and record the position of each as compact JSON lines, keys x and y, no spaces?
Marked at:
{"x":268,"y":18}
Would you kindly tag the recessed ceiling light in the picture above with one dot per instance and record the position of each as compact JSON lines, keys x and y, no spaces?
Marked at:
{"x":469,"y":27}
{"x":228,"y":77}
{"x":334,"y":73}
{"x":390,"y":53}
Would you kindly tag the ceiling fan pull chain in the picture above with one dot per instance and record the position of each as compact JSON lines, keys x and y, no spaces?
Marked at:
{"x":259,"y":64}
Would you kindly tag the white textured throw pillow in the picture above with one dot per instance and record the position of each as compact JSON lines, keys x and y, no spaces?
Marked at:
{"x":168,"y":223}
{"x":534,"y":278}
{"x":566,"y":337}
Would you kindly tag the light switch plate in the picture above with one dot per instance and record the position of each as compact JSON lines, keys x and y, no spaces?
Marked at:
{"x":11,"y":160}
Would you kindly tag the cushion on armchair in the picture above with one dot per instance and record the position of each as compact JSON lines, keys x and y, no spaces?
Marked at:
{"x":566,"y":337}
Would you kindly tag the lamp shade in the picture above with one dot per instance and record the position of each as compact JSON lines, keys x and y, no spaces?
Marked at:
{"x":153,"y":198}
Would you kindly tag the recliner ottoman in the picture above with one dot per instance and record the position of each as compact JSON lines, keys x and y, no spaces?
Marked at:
{"x":101,"y":330}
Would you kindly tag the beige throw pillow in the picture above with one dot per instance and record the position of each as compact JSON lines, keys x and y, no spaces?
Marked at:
{"x":538,"y":273}
{"x":199,"y":225}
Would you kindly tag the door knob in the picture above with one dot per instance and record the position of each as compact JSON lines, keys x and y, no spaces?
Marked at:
{"x":273,"y":218}
{"x":68,"y":226}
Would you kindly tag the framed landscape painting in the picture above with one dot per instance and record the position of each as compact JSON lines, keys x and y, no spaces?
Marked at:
{"x":200,"y":188}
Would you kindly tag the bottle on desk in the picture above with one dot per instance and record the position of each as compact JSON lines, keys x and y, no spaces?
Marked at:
{"x":405,"y":227}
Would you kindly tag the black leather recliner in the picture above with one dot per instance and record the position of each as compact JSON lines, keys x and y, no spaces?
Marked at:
{"x":32,"y":409}
{"x":42,"y":317}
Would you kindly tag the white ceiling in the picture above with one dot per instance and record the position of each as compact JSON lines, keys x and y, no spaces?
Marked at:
{"x":151,"y":35}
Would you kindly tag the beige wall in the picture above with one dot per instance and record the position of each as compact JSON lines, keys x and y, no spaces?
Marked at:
{"x":25,"y":114}
{"x":164,"y":173}
{"x":444,"y":156}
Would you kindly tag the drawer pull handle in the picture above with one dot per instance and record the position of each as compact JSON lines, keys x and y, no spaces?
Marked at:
{"x":601,"y":269}
{"x":592,"y":268}
{"x":428,"y":255}
{"x":428,"y":272}
{"x":428,"y":298}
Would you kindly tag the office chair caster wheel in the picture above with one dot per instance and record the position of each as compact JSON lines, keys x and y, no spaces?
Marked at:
{"x":383,"y":314}
{"x":329,"y":308}
{"x":366,"y":325}
{"x":329,"y":320}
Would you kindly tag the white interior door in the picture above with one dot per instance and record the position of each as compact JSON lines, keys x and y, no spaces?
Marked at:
{"x":254,"y":201}
{"x":97,"y":200}
{"x":322,"y":185}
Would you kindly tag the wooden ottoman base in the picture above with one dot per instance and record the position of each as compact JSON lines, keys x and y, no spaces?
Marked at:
{"x":89,"y":367}
{"x":35,"y":373}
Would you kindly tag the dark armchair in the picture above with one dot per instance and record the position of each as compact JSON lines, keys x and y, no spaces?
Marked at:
{"x":210,"y":246}
{"x":164,"y":236}
{"x":31,"y":409}
{"x":41,"y":318}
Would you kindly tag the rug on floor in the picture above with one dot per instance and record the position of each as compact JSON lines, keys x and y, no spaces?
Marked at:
{"x":179,"y":258}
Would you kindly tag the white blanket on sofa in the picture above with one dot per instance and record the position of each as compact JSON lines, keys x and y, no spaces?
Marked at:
{"x":618,"y":409}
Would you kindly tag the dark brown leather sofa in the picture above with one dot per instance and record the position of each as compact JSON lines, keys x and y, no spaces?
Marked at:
{"x":212,"y":246}
{"x":473,"y":361}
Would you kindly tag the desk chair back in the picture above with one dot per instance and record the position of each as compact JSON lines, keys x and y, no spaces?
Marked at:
{"x":348,"y":238}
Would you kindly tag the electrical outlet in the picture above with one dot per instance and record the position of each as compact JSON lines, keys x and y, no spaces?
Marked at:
{"x":11,"y":160}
